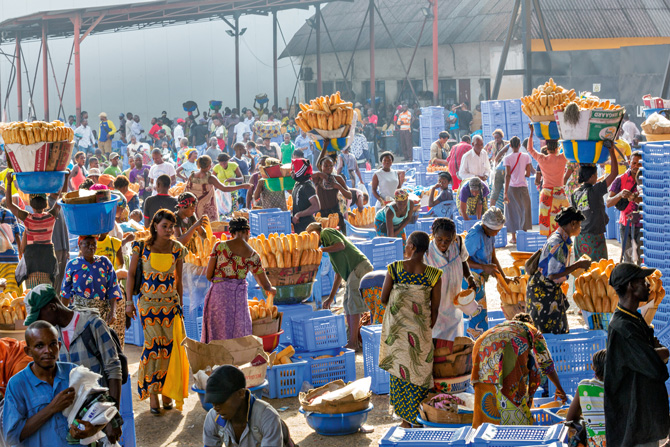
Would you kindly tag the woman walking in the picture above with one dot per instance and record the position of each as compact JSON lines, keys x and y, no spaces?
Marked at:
{"x":589,"y":200}
{"x":305,"y":199}
{"x":159,"y":304}
{"x":385,"y":181}
{"x":411,"y":294}
{"x":392,"y":219}
{"x":552,"y":196}
{"x":328,"y":187}
{"x":508,"y":362}
{"x":226,"y":313}
{"x":545,"y":301}
{"x":518,"y":166}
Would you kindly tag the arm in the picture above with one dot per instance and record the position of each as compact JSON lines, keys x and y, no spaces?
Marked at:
{"x":333,"y":291}
{"x":218,"y":185}
{"x":568,"y":173}
{"x":180,"y":284}
{"x":358,"y":172}
{"x":211,"y":265}
{"x":112,"y":127}
{"x":110,"y":360}
{"x":62,"y":400}
{"x":180,"y":169}
{"x":16,"y":211}
{"x":575,"y":410}
{"x":341,"y":186}
{"x":401,"y":178}
{"x":571,"y":268}
{"x":508,"y":178}
{"x":239,"y":177}
{"x":130,"y":283}
{"x":431,"y":197}
{"x":333,"y":248}
{"x":464,"y":210}
{"x":258,"y":190}
{"x":185,"y":237}
{"x":386,"y":289}
{"x":374,"y":185}
{"x":389,"y":223}
{"x":614,"y":168}
{"x":560,"y":394}
{"x":435,"y":297}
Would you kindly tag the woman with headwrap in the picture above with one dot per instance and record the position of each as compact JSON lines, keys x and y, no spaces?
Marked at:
{"x":385,"y":181}
{"x":328,"y":187}
{"x":202,"y":184}
{"x":552,"y":196}
{"x":189,"y":166}
{"x":483,"y":263}
{"x":588,"y":199}
{"x":226,"y":313}
{"x":305,"y":199}
{"x":187,"y":222}
{"x":391,"y":220}
{"x":545,"y":301}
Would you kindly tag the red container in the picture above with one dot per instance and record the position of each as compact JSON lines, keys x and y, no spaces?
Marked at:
{"x":271,"y":341}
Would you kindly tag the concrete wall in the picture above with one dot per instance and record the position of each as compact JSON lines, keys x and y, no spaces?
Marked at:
{"x":157,"y":69}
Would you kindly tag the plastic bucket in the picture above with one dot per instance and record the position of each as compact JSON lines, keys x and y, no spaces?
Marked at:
{"x":90,"y":219}
{"x":582,"y":151}
{"x":45,"y":182}
{"x":547,"y":130}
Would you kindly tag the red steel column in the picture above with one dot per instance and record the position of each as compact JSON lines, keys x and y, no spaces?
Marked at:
{"x":77,"y":66}
{"x":435,"y":58}
{"x":19,"y":96}
{"x":275,"y":71}
{"x":373,"y":104}
{"x":45,"y":72}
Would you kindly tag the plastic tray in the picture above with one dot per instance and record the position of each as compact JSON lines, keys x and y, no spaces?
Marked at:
{"x":489,"y":435}
{"x":288,"y":311}
{"x":530,"y":241}
{"x":322,"y":371}
{"x":419,"y":437}
{"x":285,"y":380}
{"x":271,"y":220}
{"x":381,"y":380}
{"x":318,"y":331}
{"x":135,"y":333}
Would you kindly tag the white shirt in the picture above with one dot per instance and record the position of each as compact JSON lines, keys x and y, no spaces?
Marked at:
{"x":474,"y":165}
{"x":136,"y":129}
{"x":239,"y":130}
{"x":249,"y":121}
{"x":86,"y":139}
{"x":158,"y":170}
{"x":129,"y":129}
{"x":133,"y":149}
{"x":630,"y":130}
{"x":178,"y":135}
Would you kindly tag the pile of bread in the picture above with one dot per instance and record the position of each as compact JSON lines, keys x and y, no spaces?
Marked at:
{"x":287,"y":250}
{"x":12,"y":308}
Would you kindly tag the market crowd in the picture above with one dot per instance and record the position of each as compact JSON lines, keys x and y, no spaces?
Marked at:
{"x":178,"y":176}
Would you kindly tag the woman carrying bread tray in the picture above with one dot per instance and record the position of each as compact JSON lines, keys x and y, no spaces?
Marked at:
{"x":38,"y":251}
{"x":226,"y":313}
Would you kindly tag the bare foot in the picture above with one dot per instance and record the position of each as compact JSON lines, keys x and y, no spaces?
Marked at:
{"x":405,"y":424}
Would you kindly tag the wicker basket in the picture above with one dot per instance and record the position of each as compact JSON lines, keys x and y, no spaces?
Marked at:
{"x":432,"y":414}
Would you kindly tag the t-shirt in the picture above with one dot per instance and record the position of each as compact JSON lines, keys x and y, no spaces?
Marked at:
{"x":224,"y":174}
{"x":453,"y":125}
{"x":464,"y":119}
{"x":628,"y":183}
{"x":108,"y":247}
{"x":213,"y":153}
{"x":199,"y":133}
{"x":287,"y":152}
{"x":344,"y":261}
{"x":625,"y":150}
{"x":154,"y":203}
{"x":239,"y":130}
{"x":243,"y":165}
{"x":39,"y":228}
{"x":445,"y":195}
{"x":302,"y":192}
{"x":518,"y":177}
{"x":3,"y":177}
{"x":158,"y":170}
{"x":189,"y":167}
{"x":465,"y":193}
{"x":589,"y":200}
{"x":114,"y":171}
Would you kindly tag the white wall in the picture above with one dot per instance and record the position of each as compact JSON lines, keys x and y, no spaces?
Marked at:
{"x":157,"y":69}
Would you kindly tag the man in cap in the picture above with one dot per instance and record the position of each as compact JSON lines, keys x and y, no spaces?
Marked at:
{"x":84,"y":339}
{"x":106,"y":134}
{"x":237,"y":417}
{"x":113,"y":168}
{"x":636,"y":400}
{"x":472,"y":198}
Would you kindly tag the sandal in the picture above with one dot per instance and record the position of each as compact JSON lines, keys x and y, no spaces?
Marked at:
{"x":167,"y":406}
{"x":155,"y":411}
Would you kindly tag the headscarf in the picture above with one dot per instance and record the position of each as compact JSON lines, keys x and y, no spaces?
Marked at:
{"x":494,"y":218}
{"x":401,"y":195}
{"x":186,"y":199}
{"x":302,"y":169}
{"x":188,"y":152}
{"x":98,"y":187}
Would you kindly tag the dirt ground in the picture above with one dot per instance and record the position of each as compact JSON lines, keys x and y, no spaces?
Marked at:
{"x":184,"y":428}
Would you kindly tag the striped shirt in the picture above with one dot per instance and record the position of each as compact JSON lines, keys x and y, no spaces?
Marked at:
{"x":39,"y":228}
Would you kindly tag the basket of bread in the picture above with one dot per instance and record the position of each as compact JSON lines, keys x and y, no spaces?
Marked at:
{"x":289,"y":259}
{"x":329,"y":121}
{"x":38,"y":146}
{"x":12,"y":311}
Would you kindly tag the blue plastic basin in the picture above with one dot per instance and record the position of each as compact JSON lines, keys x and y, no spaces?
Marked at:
{"x":582,"y":151}
{"x":46,"y":182}
{"x":337,"y":424}
{"x":547,"y":130}
{"x":257,"y":391}
{"x":428,"y":424}
{"x":90,"y":219}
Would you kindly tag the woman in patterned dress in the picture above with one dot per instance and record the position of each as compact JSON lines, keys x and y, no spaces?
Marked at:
{"x":159,"y":304}
{"x":411,"y":294}
{"x":506,"y":364}
{"x":545,"y":301}
{"x":226,"y":313}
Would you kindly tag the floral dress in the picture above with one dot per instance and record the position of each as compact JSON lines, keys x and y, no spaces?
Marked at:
{"x":406,"y":350}
{"x":226,"y":313}
{"x":508,"y":362}
{"x":158,"y":307}
{"x":206,"y":198}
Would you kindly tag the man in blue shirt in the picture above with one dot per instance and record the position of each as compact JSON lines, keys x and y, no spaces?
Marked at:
{"x":305,"y":143}
{"x":36,"y":397}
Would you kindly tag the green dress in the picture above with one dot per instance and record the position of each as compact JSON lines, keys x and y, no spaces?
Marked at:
{"x":406,"y":350}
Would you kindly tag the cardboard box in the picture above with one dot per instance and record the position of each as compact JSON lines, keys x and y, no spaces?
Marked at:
{"x":237,"y":351}
{"x":593,"y":125}
{"x":266,"y":326}
{"x":39,"y":157}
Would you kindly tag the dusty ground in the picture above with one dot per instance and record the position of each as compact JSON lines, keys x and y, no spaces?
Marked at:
{"x":184,"y":428}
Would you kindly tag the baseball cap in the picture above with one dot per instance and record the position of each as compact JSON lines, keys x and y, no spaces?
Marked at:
{"x":39,"y":296}
{"x":180,"y":120}
{"x":223,"y":382}
{"x":93,"y":172}
{"x":102,"y":115}
{"x":113,"y":155}
{"x":626,"y":272}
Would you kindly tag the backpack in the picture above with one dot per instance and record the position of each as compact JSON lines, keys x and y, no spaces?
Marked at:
{"x":89,"y":340}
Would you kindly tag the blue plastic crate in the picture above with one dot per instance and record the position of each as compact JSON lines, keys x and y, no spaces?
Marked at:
{"x":612,"y":229}
{"x":530,"y":241}
{"x":288,"y":311}
{"x":464,"y":225}
{"x":572,"y":355}
{"x":426,"y":178}
{"x":135,"y":333}
{"x":381,"y":380}
{"x":271,"y":220}
{"x":544,"y":417}
{"x":360,"y":232}
{"x":318,"y":331}
{"x":656,"y":255}
{"x":655,"y":167}
{"x":285,"y":380}
{"x":367,"y":176}
{"x":432,"y":111}
{"x":126,"y":411}
{"x":661,"y":320}
{"x":420,"y":437}
{"x":381,"y":251}
{"x":534,"y":200}
{"x":341,"y":365}
{"x":501,"y":238}
{"x":492,"y":106}
{"x":514,"y":129}
{"x":489,"y":435}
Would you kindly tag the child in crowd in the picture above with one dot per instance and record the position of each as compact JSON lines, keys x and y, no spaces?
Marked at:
{"x":588,"y":405}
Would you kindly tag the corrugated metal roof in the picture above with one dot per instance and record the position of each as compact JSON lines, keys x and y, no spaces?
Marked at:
{"x":464,"y":21}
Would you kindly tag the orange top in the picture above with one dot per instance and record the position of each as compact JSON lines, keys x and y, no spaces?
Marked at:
{"x":12,"y":360}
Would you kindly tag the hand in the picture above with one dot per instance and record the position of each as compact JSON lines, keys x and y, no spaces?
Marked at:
{"x":295,"y":219}
{"x":482,"y":178}
{"x":625,"y":194}
{"x":131,"y":311}
{"x":532,"y":129}
{"x":583,"y":264}
{"x":471,"y":282}
{"x":326,"y":304}
{"x":271,"y":291}
{"x":246,"y":185}
{"x":63,"y":400}
{"x":113,"y":434}
{"x":111,"y":318}
{"x":506,"y":199}
{"x":560,"y":394}
{"x":490,"y":269}
{"x":88,"y":431}
{"x":200,"y":222}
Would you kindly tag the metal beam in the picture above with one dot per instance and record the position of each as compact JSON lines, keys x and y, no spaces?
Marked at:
{"x":19,"y":93}
{"x":275,"y":70}
{"x":526,"y":45}
{"x":77,"y":66}
{"x":505,"y":51}
{"x":543,"y":26}
{"x":666,"y":81}
{"x":319,"y":82}
{"x":45,"y":73}
{"x":90,"y":28}
{"x":373,"y":103}
{"x":435,"y":57}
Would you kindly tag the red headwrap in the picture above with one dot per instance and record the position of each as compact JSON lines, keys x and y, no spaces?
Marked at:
{"x":301,"y":167}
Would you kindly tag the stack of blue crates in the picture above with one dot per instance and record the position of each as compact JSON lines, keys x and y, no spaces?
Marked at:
{"x":505,"y":115}
{"x":271,"y":220}
{"x":371,"y":336}
{"x":656,"y":209}
{"x":128,"y":438}
{"x":381,"y":251}
{"x":432,"y":123}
